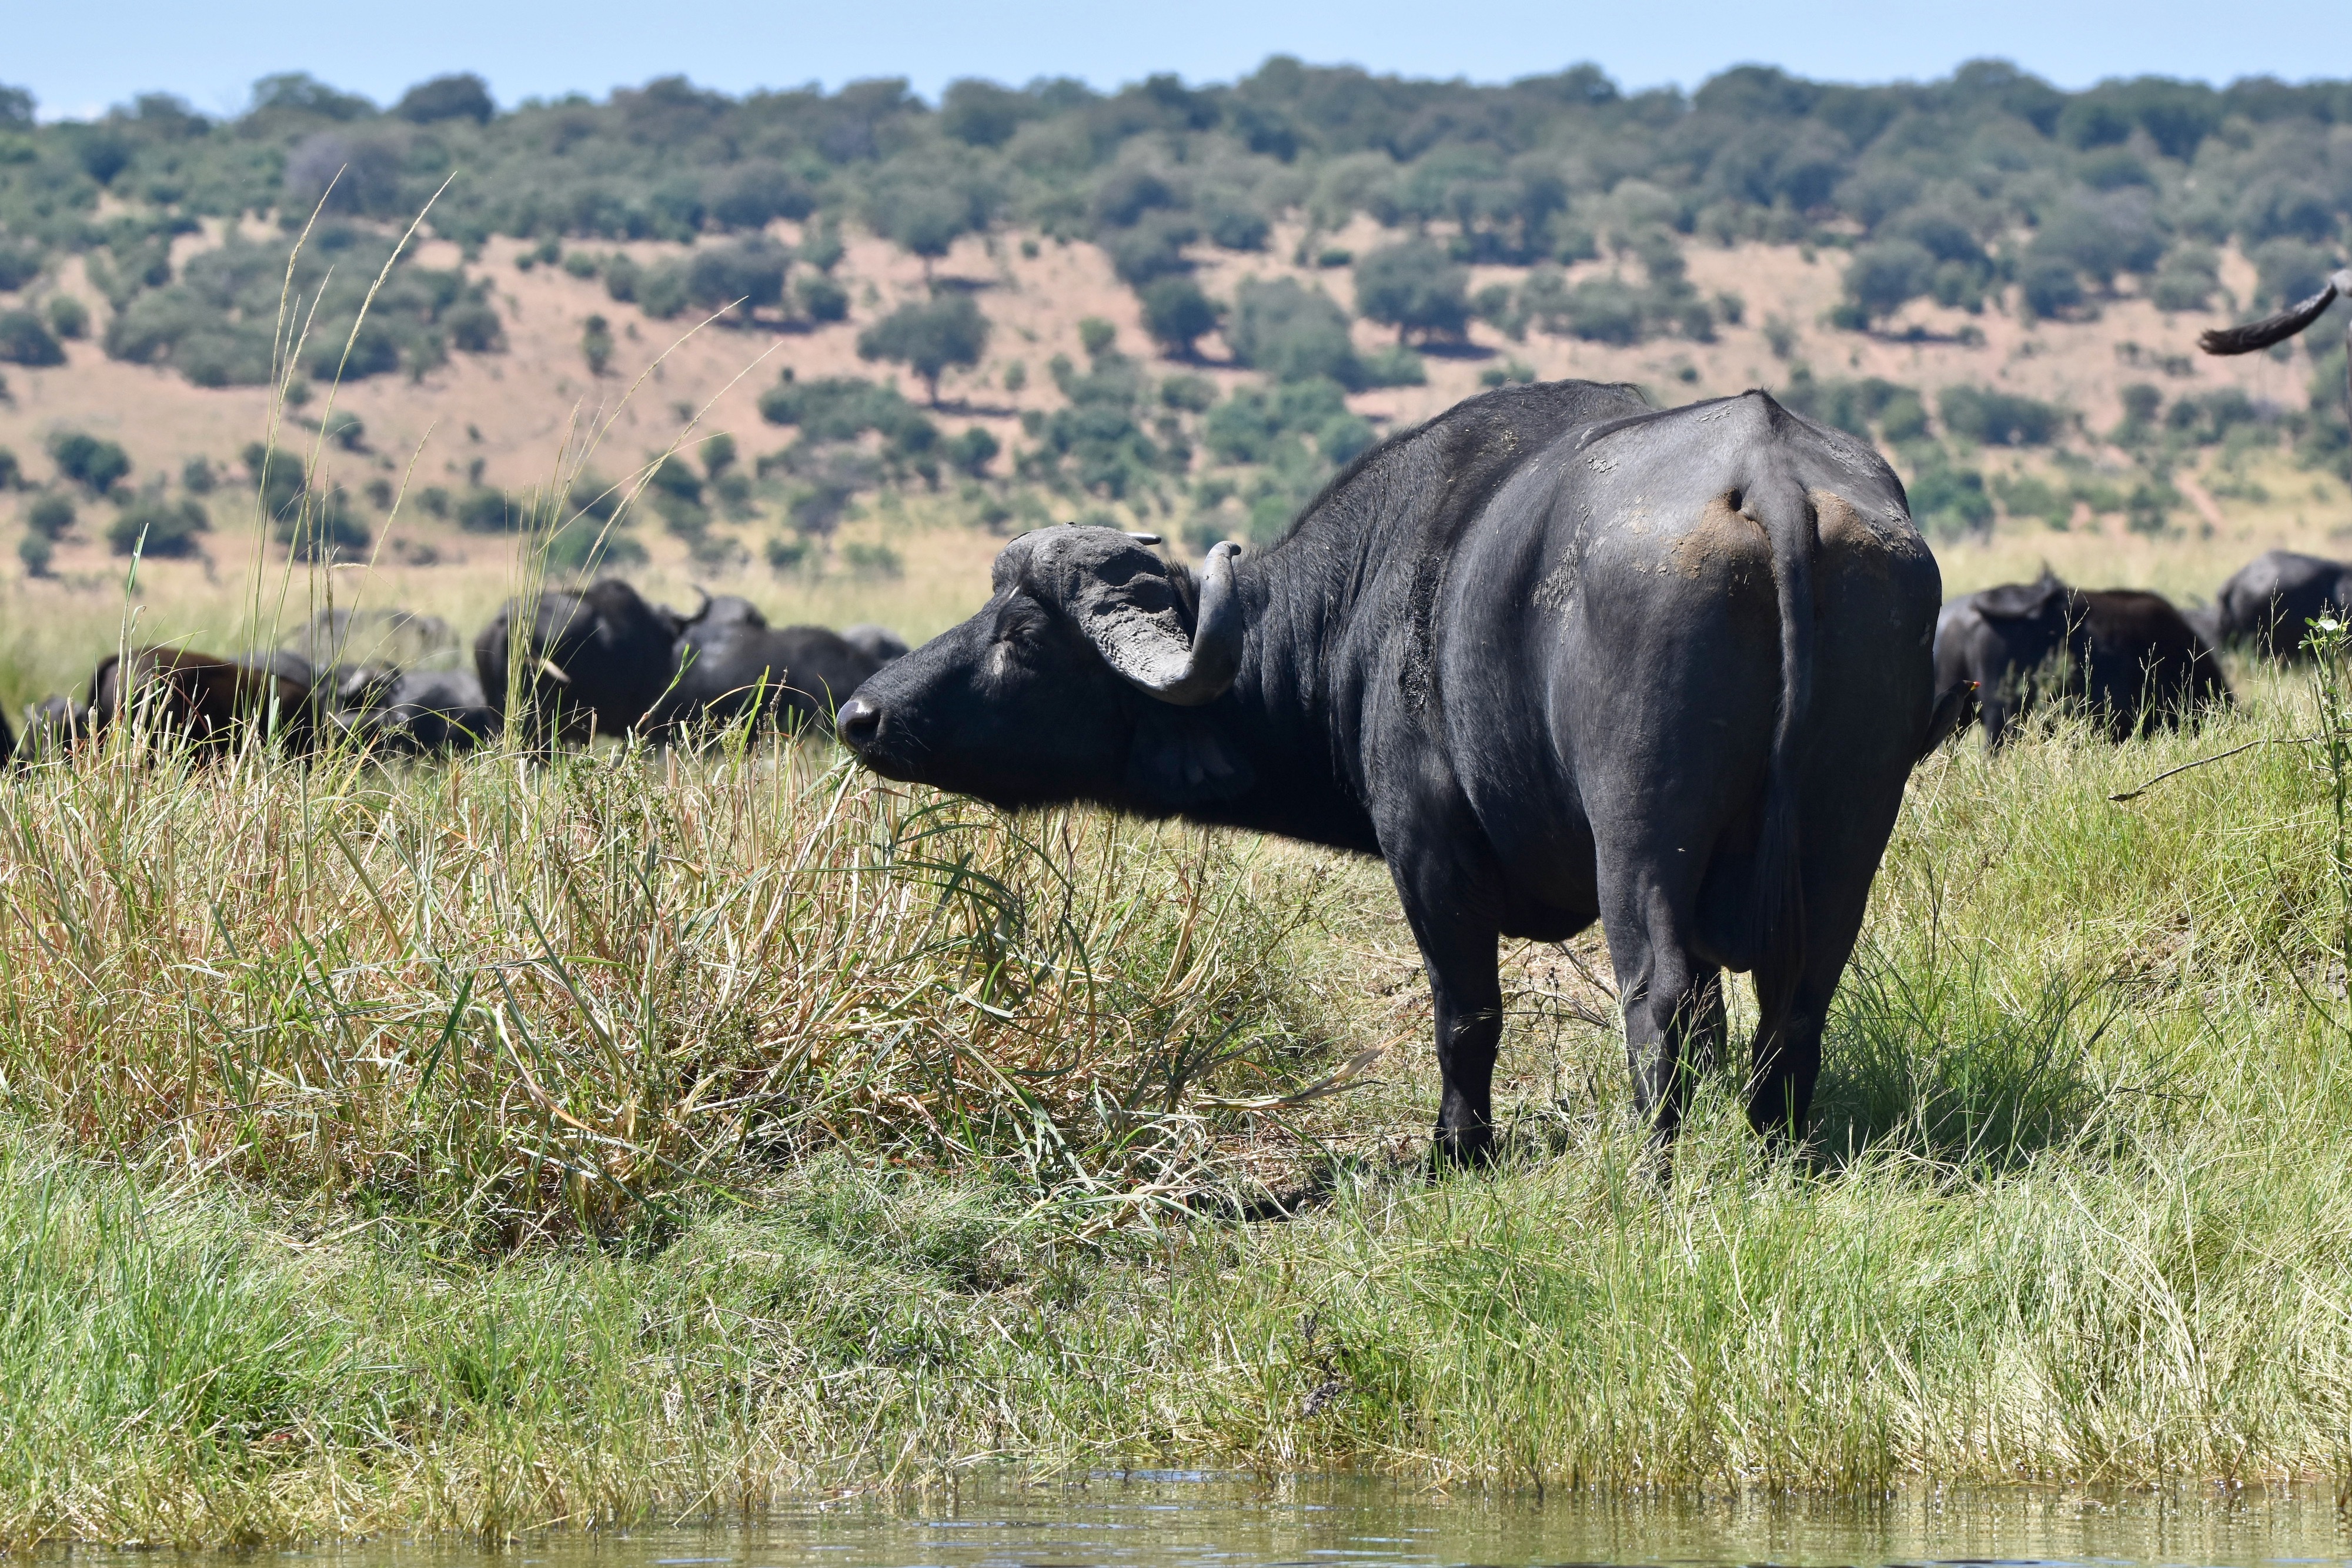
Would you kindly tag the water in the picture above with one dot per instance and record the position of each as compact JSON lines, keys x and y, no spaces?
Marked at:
{"x":1170,"y":1519}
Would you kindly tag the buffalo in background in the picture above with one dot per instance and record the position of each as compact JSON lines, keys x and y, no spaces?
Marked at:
{"x":2269,"y":605}
{"x":730,"y":662}
{"x":592,"y":660}
{"x":2128,"y":656}
{"x":418,"y":711}
{"x":598,"y":659}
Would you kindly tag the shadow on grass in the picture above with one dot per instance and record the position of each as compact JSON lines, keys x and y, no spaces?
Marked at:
{"x":1939,"y":1057}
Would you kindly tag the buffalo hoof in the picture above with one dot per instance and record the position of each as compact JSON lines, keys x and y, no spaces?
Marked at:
{"x":1470,"y":1148}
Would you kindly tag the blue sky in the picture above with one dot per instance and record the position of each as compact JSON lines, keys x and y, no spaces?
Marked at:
{"x":78,"y":62}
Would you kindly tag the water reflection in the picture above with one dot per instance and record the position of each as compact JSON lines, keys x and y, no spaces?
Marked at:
{"x":1188,"y":1519}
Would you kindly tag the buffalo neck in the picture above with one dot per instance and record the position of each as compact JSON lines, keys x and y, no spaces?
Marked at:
{"x":1288,"y":712}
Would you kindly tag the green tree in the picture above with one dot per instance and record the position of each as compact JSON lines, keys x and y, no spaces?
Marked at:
{"x":51,"y":516}
{"x":596,"y":344}
{"x":68,"y":318}
{"x":1415,"y":287}
{"x":25,"y":339}
{"x":96,"y":466}
{"x":1886,"y":275}
{"x":1293,"y":333}
{"x":942,"y":333}
{"x":1178,"y":314}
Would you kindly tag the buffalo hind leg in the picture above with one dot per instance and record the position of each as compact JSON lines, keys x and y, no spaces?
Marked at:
{"x":1674,"y":1007}
{"x":1787,"y":1059}
{"x":1466,"y":993}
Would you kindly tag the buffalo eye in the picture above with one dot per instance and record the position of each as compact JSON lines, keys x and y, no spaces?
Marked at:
{"x":1019,"y":633}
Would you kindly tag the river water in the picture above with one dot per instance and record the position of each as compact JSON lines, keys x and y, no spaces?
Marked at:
{"x":1170,"y":1519}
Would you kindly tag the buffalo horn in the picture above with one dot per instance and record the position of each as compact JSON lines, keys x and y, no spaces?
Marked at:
{"x":1143,"y":538}
{"x":1210,"y":665}
{"x":553,"y":672}
{"x":2276,"y":329}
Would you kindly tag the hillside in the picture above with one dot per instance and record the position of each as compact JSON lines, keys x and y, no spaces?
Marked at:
{"x":1176,"y":314}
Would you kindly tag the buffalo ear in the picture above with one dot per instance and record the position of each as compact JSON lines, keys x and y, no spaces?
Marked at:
{"x":1179,"y":760}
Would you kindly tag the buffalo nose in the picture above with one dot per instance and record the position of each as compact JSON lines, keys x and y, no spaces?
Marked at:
{"x":859,"y":722}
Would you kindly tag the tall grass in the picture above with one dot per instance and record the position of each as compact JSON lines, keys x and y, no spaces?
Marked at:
{"x":525,"y":1003}
{"x":502,"y":1144}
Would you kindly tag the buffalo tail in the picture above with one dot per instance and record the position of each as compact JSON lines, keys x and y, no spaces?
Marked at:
{"x":1777,"y":908}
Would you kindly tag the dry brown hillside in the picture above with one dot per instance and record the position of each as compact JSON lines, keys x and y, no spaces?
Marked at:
{"x":519,"y":417}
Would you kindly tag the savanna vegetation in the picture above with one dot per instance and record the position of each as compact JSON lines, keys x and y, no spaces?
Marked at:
{"x":1987,"y":191}
{"x":486,"y":1146}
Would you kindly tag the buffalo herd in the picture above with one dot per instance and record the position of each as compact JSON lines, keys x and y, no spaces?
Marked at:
{"x":599,"y":659}
{"x":1557,"y":657}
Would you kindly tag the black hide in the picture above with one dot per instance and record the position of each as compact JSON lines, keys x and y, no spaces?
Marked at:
{"x":1556,"y":658}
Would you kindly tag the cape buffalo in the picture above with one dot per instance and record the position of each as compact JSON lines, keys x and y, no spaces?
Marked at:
{"x":877,"y":642}
{"x":51,"y":726}
{"x":194,"y":698}
{"x":1554,"y":655}
{"x":2130,"y":657}
{"x":729,"y":658}
{"x":424,"y":710}
{"x":595,"y":660}
{"x":2270,"y":604}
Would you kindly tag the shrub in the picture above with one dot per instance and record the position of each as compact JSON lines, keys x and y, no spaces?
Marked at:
{"x":1949,"y":502}
{"x":822,"y":299}
{"x":2102,"y":235}
{"x":68,"y":318}
{"x":746,"y":275}
{"x":11,"y":473}
{"x":96,"y":465}
{"x":474,"y":327}
{"x":35,"y":550}
{"x":196,"y":477}
{"x":596,"y":344}
{"x":1394,"y":366}
{"x":51,"y":514}
{"x":25,"y":339}
{"x":584,"y":545}
{"x":945,"y":332}
{"x":1999,"y":419}
{"x":872,"y":561}
{"x":1293,"y":333}
{"x":463,"y":96}
{"x":1886,"y":275}
{"x":160,"y":528}
{"x":974,"y":450}
{"x":278,"y":479}
{"x":835,"y":409}
{"x":1415,"y":287}
{"x":2187,"y":279}
{"x":1178,"y":314}
{"x":486,"y":510}
{"x":2050,"y":288}
{"x":20,"y":265}
{"x":1152,"y":249}
{"x":1239,"y":228}
{"x":326,"y":529}
{"x":2290,"y":270}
